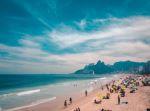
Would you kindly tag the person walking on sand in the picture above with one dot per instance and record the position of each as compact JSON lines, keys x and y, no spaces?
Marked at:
{"x":118,"y":99}
{"x":78,"y":109}
{"x":65,"y":103}
{"x":86,"y":92}
{"x":70,"y":99}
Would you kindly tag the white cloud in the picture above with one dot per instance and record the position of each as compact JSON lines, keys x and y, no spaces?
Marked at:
{"x":29,"y":43}
{"x":28,"y":59}
{"x":132,"y":28}
{"x":123,"y":39}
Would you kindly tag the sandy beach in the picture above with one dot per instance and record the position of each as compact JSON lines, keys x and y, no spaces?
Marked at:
{"x":137,"y":101}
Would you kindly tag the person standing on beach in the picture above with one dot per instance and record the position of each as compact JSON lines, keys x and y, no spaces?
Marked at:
{"x":65,"y":103}
{"x":70,"y":99}
{"x":118,"y":99}
{"x":86,"y":92}
{"x":107,"y":87}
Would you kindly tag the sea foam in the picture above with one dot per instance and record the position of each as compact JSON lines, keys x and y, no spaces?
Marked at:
{"x":32,"y":104}
{"x":28,"y":92}
{"x":103,"y":78}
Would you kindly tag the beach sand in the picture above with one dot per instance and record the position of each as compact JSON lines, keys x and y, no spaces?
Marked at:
{"x":138,"y":101}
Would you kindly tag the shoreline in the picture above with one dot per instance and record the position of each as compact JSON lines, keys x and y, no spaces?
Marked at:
{"x":57,"y":104}
{"x":137,"y":101}
{"x":49,"y":90}
{"x":86,"y":103}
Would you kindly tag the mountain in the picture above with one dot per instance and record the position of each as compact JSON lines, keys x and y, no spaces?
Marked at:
{"x":127,"y":66}
{"x":121,"y":66}
{"x":146,"y":68}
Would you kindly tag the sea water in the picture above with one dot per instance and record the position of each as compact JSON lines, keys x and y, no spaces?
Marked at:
{"x":19,"y":91}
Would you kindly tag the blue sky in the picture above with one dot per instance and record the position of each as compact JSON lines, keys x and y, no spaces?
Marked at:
{"x":61,"y":36}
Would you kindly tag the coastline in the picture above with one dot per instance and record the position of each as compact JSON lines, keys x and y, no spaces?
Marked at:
{"x":57,"y":104}
{"x":25,"y":97}
{"x":138,"y":101}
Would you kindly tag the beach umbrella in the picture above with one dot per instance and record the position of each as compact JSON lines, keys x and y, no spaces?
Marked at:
{"x":100,"y":96}
{"x":123,"y":87}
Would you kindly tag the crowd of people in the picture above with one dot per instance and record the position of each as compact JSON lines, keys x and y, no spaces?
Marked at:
{"x":116,"y":86}
{"x":120,"y":86}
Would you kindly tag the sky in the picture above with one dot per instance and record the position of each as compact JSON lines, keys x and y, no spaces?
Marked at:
{"x":61,"y":36}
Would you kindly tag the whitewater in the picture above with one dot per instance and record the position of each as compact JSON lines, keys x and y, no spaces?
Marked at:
{"x":30,"y":90}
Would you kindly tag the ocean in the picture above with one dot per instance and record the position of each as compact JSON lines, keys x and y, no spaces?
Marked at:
{"x":22,"y":90}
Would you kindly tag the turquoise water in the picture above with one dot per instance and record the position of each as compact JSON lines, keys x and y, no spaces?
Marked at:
{"x":14,"y":82}
{"x":22,"y":90}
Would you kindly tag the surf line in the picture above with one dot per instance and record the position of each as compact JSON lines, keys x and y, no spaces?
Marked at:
{"x":28,"y":92}
{"x":32,"y":104}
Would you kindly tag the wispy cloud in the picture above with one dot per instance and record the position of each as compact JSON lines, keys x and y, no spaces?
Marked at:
{"x":119,"y":39}
{"x":82,"y":24}
{"x":132,"y":28}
